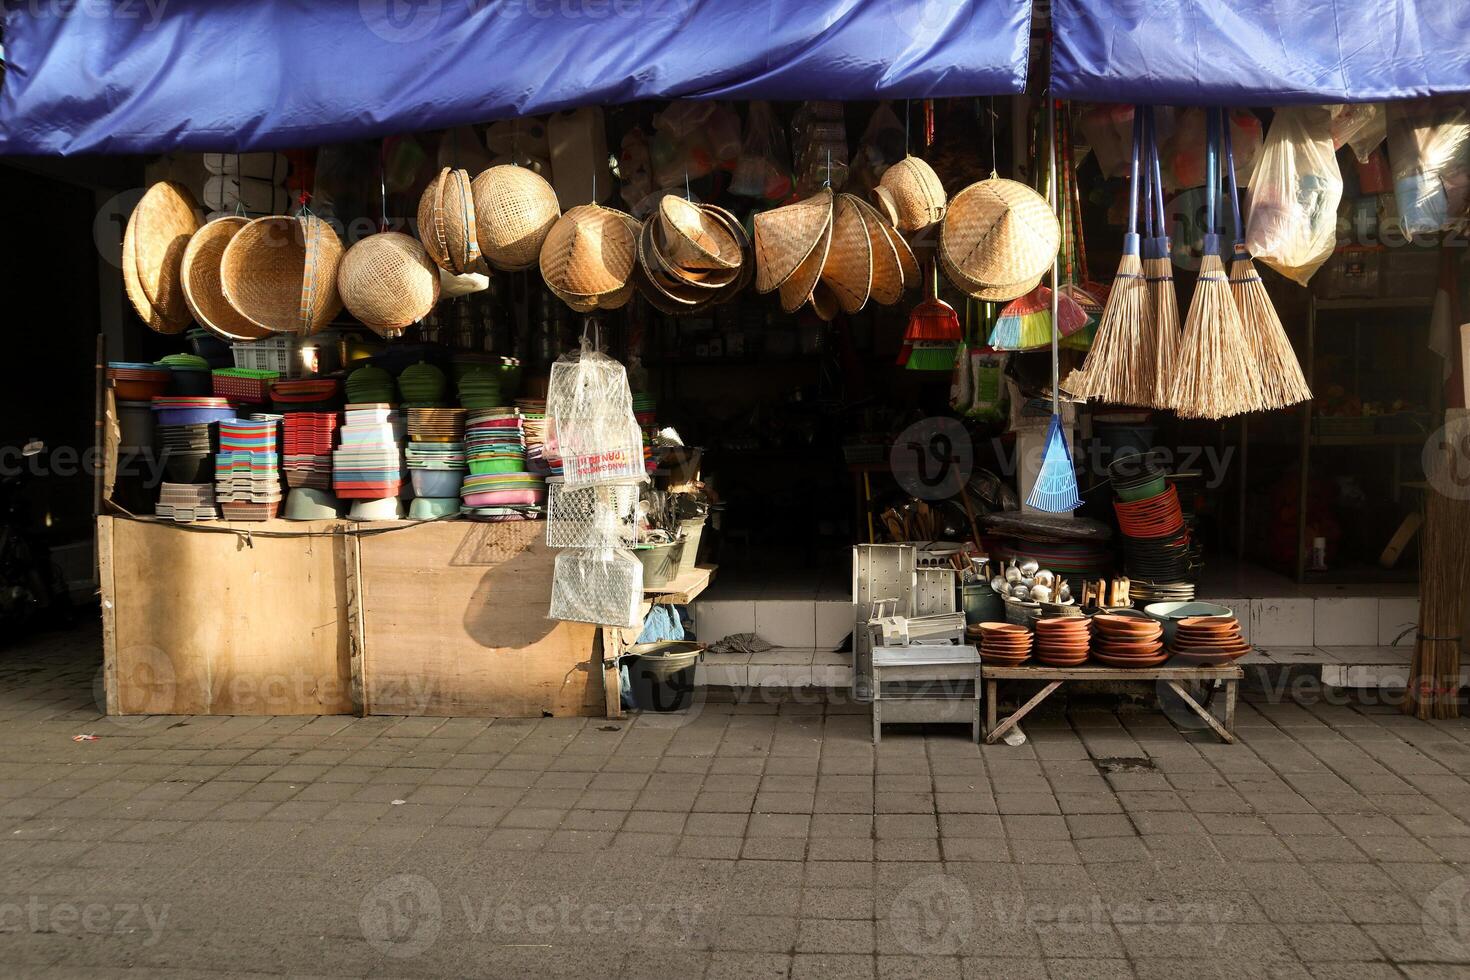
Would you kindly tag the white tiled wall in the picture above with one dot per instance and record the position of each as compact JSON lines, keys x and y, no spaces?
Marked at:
{"x":1351,"y":621}
{"x":787,"y":622}
{"x":715,"y":619}
{"x":1395,"y":615}
{"x":1282,"y":622}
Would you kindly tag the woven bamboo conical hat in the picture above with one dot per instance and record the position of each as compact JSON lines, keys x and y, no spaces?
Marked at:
{"x":672,"y":293}
{"x":824,"y":303}
{"x":447,"y":226}
{"x":989,"y":292}
{"x":910,"y":195}
{"x":160,"y":228}
{"x":907,"y":260}
{"x":202,"y":281}
{"x":999,"y":232}
{"x":693,"y":237}
{"x":797,"y":288}
{"x":786,"y":237}
{"x":589,"y":251}
{"x":514,"y":210}
{"x":388,"y":281}
{"x":134,"y":288}
{"x":848,"y":271}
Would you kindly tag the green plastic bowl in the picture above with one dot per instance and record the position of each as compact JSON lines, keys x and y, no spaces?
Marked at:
{"x":1143,"y":491}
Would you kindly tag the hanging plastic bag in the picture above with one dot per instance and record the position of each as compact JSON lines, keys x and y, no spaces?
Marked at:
{"x":1108,"y":129}
{"x":1295,"y":190}
{"x":987,"y":368}
{"x":600,"y":587}
{"x":1361,"y":125}
{"x":763,"y":169}
{"x":1429,"y":146}
{"x":590,"y":420}
{"x":881,"y":147}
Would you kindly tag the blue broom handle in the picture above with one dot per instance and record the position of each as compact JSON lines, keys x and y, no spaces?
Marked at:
{"x":1234,"y":189}
{"x":1148,"y":172}
{"x":1211,"y":244}
{"x":1133,"y":172}
{"x":1153,"y":156}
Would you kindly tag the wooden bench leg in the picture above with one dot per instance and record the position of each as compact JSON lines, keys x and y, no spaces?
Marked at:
{"x":1225,"y":734}
{"x":1231,"y":688}
{"x":995,"y":733}
{"x":877,"y":718}
{"x":990,"y":707}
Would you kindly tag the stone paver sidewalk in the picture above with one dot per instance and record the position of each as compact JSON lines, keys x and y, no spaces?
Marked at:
{"x":741,"y":841}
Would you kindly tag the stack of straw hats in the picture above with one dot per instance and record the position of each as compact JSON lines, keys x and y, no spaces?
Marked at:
{"x":588,"y":257}
{"x":514,"y":210}
{"x":998,"y":238}
{"x":153,"y":247}
{"x":388,"y":281}
{"x":691,"y":256}
{"x":834,"y":250}
{"x":203,"y":290}
{"x":280,"y":273}
{"x":910,"y":195}
{"x":447,"y":225}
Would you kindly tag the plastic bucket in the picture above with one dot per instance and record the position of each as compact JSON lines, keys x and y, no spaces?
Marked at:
{"x":981,"y":604}
{"x":692,"y":531}
{"x":660,"y":563}
{"x":662,"y":674}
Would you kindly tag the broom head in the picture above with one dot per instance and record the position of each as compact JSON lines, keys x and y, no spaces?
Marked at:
{"x":931,"y":355}
{"x":1282,"y":383}
{"x":1025,"y":322}
{"x":1055,"y":490}
{"x":933,"y":319}
{"x":1216,"y":375}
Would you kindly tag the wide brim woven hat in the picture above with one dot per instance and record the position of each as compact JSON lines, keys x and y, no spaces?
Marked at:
{"x":280,"y":273}
{"x":388,"y":281}
{"x":515,"y":209}
{"x":695,"y":238}
{"x":157,"y":233}
{"x":590,"y":252}
{"x":998,"y":239}
{"x":447,"y":224}
{"x":848,"y":269}
{"x":910,"y":195}
{"x":825,"y":303}
{"x":785,"y":238}
{"x":201,"y":275}
{"x":888,"y":282}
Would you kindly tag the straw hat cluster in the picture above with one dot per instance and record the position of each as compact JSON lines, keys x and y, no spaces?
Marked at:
{"x":997,"y":239}
{"x":153,"y":247}
{"x":835,"y":251}
{"x":691,"y":256}
{"x":910,"y":195}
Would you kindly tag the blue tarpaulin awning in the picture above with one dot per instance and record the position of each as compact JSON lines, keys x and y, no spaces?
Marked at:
{"x":1259,"y":52}
{"x":87,"y":76}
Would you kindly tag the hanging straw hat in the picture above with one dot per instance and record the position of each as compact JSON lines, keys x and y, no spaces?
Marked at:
{"x":447,"y":223}
{"x":514,"y":209}
{"x":157,"y":234}
{"x":798,"y":287}
{"x":907,"y":260}
{"x":888,"y":279}
{"x":280,"y":273}
{"x":848,"y":269}
{"x":785,"y":237}
{"x":388,"y":281}
{"x":590,"y":251}
{"x":910,"y":195}
{"x":997,"y":239}
{"x":824,"y":303}
{"x":694,"y":238}
{"x":202,"y":290}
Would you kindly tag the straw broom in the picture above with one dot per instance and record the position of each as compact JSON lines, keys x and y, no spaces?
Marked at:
{"x":1281,"y":378}
{"x":1120,"y":368}
{"x":1216,"y":375}
{"x":1444,"y":578}
{"x":1158,"y":272}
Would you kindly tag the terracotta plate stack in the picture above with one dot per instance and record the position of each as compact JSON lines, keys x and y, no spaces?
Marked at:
{"x":1208,"y":641}
{"x":1126,"y":641}
{"x":1004,"y":644}
{"x":1063,"y":641}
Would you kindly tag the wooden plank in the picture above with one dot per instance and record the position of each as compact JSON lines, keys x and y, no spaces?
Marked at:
{"x":356,"y":638}
{"x":1042,"y":673}
{"x":228,"y":620}
{"x":685,"y":588}
{"x":109,"y":615}
{"x":996,"y":733}
{"x":456,"y":624}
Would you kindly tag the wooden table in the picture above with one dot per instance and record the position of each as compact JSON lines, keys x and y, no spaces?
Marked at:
{"x":1055,"y":677}
{"x":929,"y":667}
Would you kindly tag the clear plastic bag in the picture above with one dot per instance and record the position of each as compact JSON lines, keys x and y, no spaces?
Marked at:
{"x":590,"y":422}
{"x":600,"y":587}
{"x":1429,"y":147}
{"x":881,"y":147}
{"x":1295,"y":190}
{"x":763,"y":169}
{"x":1108,"y":129}
{"x":1361,"y":125}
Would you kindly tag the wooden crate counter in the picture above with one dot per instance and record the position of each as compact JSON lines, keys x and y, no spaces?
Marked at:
{"x":443,"y":618}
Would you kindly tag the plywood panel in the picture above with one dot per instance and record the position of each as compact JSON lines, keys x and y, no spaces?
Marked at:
{"x":454,"y":623}
{"x":221,"y":623}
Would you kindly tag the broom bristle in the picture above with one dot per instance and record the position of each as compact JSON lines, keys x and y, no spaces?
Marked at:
{"x":1444,"y":576}
{"x":1216,"y":375}
{"x":1120,"y":367}
{"x":1282,"y":383}
{"x":1164,"y":305}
